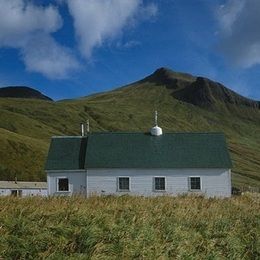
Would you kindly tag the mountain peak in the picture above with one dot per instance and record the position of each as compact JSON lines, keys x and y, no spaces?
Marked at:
{"x":163,"y":70}
{"x":199,"y":91}
{"x":22,"y":92}
{"x":169,"y":74}
{"x":204,"y":92}
{"x":169,"y":78}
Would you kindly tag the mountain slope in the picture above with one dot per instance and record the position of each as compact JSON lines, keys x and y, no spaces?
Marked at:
{"x":21,"y":156}
{"x":204,"y":92}
{"x":130,"y":108}
{"x":198,"y":91}
{"x":22,"y":92}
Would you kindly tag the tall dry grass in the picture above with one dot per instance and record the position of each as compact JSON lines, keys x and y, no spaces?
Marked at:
{"x":130,"y":227}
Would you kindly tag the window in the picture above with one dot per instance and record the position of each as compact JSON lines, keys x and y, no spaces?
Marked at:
{"x":63,"y":184}
{"x":159,"y":183}
{"x":195,"y":183}
{"x":14,"y":193}
{"x":123,"y":184}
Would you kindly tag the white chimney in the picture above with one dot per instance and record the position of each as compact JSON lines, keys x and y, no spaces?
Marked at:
{"x":82,"y":129}
{"x":87,"y":126}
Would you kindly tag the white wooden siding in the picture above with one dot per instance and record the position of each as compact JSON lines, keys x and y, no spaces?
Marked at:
{"x":214,"y":182}
{"x":25,"y":192}
{"x":77,"y":182}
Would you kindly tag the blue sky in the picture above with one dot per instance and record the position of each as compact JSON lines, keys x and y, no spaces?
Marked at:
{"x":72,"y":48}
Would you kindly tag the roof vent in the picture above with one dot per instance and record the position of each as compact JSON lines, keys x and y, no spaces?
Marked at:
{"x":82,"y":126}
{"x":156,"y":130}
{"x":82,"y":129}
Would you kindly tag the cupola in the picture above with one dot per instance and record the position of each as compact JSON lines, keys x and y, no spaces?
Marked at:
{"x":156,"y":130}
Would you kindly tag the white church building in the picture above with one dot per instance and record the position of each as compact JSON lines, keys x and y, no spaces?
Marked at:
{"x":147,"y":164}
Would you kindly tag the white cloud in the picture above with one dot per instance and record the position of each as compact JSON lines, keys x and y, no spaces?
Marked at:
{"x":19,"y":19}
{"x":148,"y":11}
{"x":97,"y":21}
{"x":128,"y":44}
{"x":42,"y":54}
{"x":27,"y":27}
{"x":239,"y":22}
{"x":228,"y":14}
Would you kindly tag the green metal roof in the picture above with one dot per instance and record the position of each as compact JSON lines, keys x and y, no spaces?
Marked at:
{"x":66,"y":153}
{"x":173,"y":150}
{"x":139,"y":150}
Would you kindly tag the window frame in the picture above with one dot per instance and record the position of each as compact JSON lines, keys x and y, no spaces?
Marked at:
{"x":189,"y":181}
{"x":165,"y":184}
{"x":123,"y":190}
{"x":57,"y":184}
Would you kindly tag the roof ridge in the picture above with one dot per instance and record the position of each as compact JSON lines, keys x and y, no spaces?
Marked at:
{"x":136,"y":133}
{"x":165,"y":133}
{"x":68,"y":136}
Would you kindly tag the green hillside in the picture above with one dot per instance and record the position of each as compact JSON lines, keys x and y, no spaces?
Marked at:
{"x":184,"y":103}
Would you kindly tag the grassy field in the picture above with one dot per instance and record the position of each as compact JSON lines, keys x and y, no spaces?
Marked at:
{"x":130,"y":228}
